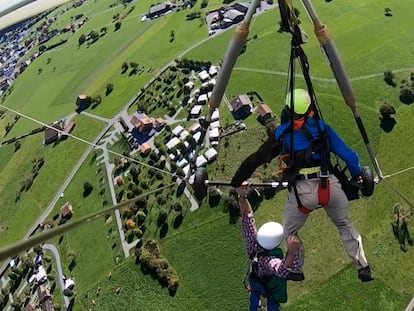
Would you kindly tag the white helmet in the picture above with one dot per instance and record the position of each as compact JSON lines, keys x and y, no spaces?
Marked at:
{"x":270,"y":235}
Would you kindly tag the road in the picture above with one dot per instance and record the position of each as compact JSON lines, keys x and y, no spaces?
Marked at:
{"x":55,"y":253}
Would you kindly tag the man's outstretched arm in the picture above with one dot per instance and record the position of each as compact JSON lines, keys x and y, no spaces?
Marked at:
{"x":266,"y":152}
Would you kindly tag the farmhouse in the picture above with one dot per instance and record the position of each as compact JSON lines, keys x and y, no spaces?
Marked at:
{"x":82,"y":102}
{"x":67,"y":130}
{"x":141,"y":123}
{"x":158,"y":9}
{"x":66,"y":210}
{"x":264,"y":112}
{"x":52,"y":133}
{"x":242,"y":107}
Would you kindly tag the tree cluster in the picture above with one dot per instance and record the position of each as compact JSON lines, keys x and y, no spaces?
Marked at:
{"x":407,"y":90}
{"x":27,"y":183}
{"x":192,"y":64}
{"x":151,"y":260}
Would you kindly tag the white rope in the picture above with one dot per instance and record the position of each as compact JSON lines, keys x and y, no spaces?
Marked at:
{"x":399,"y":172}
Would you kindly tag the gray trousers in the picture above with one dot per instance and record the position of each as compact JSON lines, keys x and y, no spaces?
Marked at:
{"x":337,"y":210}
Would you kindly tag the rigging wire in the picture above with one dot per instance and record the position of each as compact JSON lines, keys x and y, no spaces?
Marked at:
{"x":86,"y":141}
{"x":21,"y":246}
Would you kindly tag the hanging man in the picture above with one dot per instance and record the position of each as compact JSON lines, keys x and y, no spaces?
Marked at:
{"x":304,"y":159}
{"x":269,"y":270}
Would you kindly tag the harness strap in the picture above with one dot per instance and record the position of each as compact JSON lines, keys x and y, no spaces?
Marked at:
{"x":324,"y":195}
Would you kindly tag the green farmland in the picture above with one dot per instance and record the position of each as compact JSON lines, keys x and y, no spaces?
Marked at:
{"x":207,"y":250}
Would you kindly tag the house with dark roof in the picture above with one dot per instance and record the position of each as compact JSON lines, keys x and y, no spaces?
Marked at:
{"x":242,"y":107}
{"x":158,"y":9}
{"x":82,"y":102}
{"x":52,"y":133}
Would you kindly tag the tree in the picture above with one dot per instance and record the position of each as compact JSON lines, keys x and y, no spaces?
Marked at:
{"x":118,"y":25}
{"x":103,"y":30}
{"x":141,"y":217}
{"x":87,"y":188}
{"x":389,"y":77}
{"x":17,"y":145}
{"x":109,"y":89}
{"x":162,"y":218}
{"x":386,"y":110}
{"x":124,"y":67}
{"x":94,"y":35}
{"x":82,"y":39}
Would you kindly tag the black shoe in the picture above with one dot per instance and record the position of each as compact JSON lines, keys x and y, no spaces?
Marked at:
{"x":410,"y":241}
{"x":364,"y":274}
{"x":296,"y":277}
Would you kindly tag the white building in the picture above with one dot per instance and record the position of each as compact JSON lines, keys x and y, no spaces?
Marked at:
{"x":189,"y":85}
{"x":177,"y":130}
{"x":213,"y":135}
{"x":194,"y":128}
{"x":196,"y":111}
{"x":215,"y":115}
{"x":202,"y":99}
{"x":201,"y":161}
{"x":203,"y":75}
{"x":172,"y":143}
{"x":211,"y":154}
{"x":184,"y":134}
{"x":213,"y":70}
{"x":215,"y":124}
{"x":183,"y":162}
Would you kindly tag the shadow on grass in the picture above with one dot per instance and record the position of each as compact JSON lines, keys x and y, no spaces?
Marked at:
{"x":163,"y":230}
{"x":387,"y":124}
{"x":178,"y":221}
{"x":87,"y":192}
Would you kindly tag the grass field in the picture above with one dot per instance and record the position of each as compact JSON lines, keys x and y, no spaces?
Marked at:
{"x":327,"y":267}
{"x":206,"y":250}
{"x":19,"y":216}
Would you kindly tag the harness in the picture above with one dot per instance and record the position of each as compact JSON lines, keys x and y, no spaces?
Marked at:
{"x":301,"y":165}
{"x":274,"y":286}
{"x":298,"y":161}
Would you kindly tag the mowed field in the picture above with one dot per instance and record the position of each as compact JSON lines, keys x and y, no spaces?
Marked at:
{"x":207,"y":250}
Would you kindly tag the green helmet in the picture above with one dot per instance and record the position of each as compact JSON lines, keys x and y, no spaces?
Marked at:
{"x":301,"y":102}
